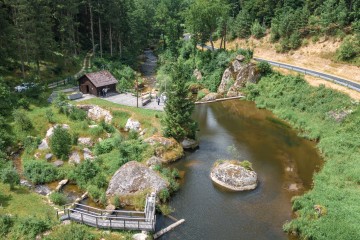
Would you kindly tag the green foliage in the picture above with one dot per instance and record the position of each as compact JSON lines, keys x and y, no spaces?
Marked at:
{"x":96,"y":131}
{"x":264,"y":68}
{"x":106,"y":145}
{"x":257,"y":30}
{"x":6,"y":223}
{"x":39,"y":172}
{"x":243,"y":23}
{"x":50,"y":116}
{"x":60,"y":142}
{"x":6,"y":104}
{"x":71,"y":231}
{"x":164,"y":195}
{"x":336,"y":185}
{"x":74,"y":138}
{"x":77,"y":114}
{"x":58,"y":198}
{"x":132,"y":150}
{"x":10,"y":176}
{"x":348,"y":50}
{"x":31,"y":144}
{"x":178,"y":109}
{"x":22,"y":121}
{"x":29,"y":227}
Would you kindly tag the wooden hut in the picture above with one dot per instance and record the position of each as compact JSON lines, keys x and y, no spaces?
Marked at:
{"x":97,"y":83}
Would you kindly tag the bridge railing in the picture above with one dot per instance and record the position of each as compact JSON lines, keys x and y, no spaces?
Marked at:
{"x":110,"y":221}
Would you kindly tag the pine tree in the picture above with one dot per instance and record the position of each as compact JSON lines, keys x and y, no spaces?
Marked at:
{"x":178,"y":122}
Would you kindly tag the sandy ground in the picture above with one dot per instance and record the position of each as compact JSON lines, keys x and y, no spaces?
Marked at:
{"x":315,"y":56}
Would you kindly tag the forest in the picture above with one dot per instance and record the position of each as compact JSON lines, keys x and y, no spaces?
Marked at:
{"x":43,"y":41}
{"x":43,"y":35}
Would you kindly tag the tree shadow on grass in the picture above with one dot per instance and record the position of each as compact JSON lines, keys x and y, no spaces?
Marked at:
{"x":4,"y":200}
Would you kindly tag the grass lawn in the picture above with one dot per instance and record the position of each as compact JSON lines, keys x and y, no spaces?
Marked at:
{"x":24,"y":203}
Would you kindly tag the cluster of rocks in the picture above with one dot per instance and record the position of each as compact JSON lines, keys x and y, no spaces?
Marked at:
{"x":236,"y":76}
{"x":233,"y":176}
{"x":233,"y":79}
{"x":132,"y":125}
{"x":97,"y":113}
{"x":339,"y":115}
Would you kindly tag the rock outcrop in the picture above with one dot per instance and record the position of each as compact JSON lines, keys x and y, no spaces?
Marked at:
{"x":134,"y":177}
{"x":236,"y":76}
{"x":97,"y":113}
{"x":86,"y":141}
{"x":132,"y":125}
{"x":74,"y":157}
{"x":188,"y":143}
{"x":210,"y":97}
{"x":231,"y":175}
{"x":167,"y":149}
{"x":154,"y":161}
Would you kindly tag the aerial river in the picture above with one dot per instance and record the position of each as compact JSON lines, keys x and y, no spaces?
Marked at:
{"x":284,"y":162}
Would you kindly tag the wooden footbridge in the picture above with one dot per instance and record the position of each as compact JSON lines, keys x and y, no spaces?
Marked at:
{"x":114,"y":219}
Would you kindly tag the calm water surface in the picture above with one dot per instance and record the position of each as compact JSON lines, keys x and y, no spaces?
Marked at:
{"x":278,"y":155}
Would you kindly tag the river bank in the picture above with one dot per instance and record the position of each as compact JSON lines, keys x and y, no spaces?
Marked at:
{"x":330,"y":119}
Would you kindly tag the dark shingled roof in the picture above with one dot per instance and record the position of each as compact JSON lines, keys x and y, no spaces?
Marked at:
{"x":102,"y":78}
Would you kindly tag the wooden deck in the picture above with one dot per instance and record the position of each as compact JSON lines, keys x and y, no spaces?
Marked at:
{"x":107,"y":219}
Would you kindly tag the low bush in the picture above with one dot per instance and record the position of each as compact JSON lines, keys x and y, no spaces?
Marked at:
{"x":22,"y":121}
{"x":58,"y":198}
{"x":6,"y":223}
{"x":71,"y":231}
{"x":29,"y":228}
{"x":38,"y":171}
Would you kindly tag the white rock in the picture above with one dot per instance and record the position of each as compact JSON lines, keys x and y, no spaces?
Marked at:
{"x":43,"y":145}
{"x":132,"y":124}
{"x":233,"y":176}
{"x":88,"y":154}
{"x":74,"y":157}
{"x":85,"y":141}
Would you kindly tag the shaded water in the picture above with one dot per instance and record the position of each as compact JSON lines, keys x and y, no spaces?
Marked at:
{"x":278,"y":155}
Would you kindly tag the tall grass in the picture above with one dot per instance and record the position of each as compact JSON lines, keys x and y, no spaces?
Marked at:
{"x":336,"y":187}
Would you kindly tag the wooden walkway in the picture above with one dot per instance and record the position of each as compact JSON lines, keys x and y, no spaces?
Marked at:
{"x":107,"y":219}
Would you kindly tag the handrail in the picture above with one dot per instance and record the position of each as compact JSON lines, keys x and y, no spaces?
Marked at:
{"x":104,"y":217}
{"x":104,"y":210}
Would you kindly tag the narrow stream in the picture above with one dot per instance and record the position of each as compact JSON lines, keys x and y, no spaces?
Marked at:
{"x":285,"y":164}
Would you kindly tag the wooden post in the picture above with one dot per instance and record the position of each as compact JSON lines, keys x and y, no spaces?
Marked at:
{"x":110,"y":223}
{"x":82,"y":219}
{"x":96,"y":222}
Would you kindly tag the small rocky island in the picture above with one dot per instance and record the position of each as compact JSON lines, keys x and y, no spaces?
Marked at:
{"x":234,"y":175}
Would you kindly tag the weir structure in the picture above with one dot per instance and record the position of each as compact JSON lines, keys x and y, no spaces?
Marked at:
{"x":113,"y":219}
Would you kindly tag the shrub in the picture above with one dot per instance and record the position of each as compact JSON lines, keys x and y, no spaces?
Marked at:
{"x":29,"y":227}
{"x":40,"y":171}
{"x":31,"y":143}
{"x":50,"y":116}
{"x":22,"y":121}
{"x":6,"y":223}
{"x":132,"y":150}
{"x":264,"y":68}
{"x":107,"y":127}
{"x":257,"y":30}
{"x":164,"y":195}
{"x":77,"y":114}
{"x":60,"y":142}
{"x":24,"y":103}
{"x":74,"y":138}
{"x":10,"y":176}
{"x":84,"y":173}
{"x":96,"y":131}
{"x":58,"y":198}
{"x":294,"y":41}
{"x":71,"y":231}
{"x":346,"y":51}
{"x":105,"y":146}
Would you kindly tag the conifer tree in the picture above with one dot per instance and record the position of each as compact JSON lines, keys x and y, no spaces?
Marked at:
{"x":178,"y":122}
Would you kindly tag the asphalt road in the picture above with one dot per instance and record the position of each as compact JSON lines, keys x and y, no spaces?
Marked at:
{"x":325,"y":76}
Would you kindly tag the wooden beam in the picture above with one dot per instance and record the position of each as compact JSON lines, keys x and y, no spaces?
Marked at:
{"x":167,"y":229}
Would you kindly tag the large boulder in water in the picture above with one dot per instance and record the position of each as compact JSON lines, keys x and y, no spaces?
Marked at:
{"x":134,"y":177}
{"x":232,"y":175}
{"x":167,"y":149}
